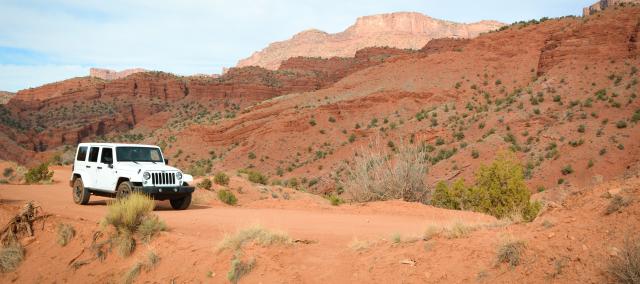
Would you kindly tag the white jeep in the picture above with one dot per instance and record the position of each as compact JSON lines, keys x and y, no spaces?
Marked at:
{"x":115,"y":170}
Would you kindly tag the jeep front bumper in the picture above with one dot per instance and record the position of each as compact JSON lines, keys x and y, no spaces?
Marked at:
{"x":165,"y":192}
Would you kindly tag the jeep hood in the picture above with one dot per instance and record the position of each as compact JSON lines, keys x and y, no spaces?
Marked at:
{"x":144,"y":166}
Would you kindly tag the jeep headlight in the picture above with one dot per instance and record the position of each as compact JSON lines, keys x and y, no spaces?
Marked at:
{"x":146,"y":175}
{"x":179,"y":175}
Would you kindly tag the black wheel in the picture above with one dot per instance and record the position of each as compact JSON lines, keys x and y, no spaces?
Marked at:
{"x":123,"y":190}
{"x":181,"y":203}
{"x":80,"y":193}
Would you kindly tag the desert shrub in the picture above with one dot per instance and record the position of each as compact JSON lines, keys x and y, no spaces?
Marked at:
{"x":335,"y":200}
{"x":251,"y":155}
{"x":567,"y":170}
{"x":500,"y":191}
{"x":381,"y":174}
{"x":130,"y":216}
{"x":455,"y":196}
{"x":201,"y":167}
{"x":621,"y":124}
{"x":205,"y":184}
{"x":475,"y":154}
{"x":257,"y":177}
{"x":65,"y":233}
{"x":254,"y":176}
{"x":239,"y":268}
{"x":617,"y":203}
{"x":510,"y":251}
{"x":255,"y":234}
{"x":626,"y":267}
{"x":39,"y":174}
{"x":221,"y":179}
{"x":227,"y":197}
{"x":11,"y":256}
{"x":7,"y":172}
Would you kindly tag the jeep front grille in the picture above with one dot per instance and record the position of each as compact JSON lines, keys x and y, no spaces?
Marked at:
{"x":163,"y":178}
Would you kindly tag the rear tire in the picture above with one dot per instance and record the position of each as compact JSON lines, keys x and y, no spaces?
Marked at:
{"x":80,"y":193}
{"x":124,"y":189}
{"x":181,"y":203}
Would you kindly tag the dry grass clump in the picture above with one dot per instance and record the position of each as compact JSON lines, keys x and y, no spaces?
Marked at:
{"x":240,"y":268}
{"x":256,"y":234}
{"x":617,"y":203}
{"x":133,"y":272}
{"x":626,"y":267}
{"x":11,"y":256}
{"x":359,"y":245}
{"x":129,"y":217}
{"x":459,"y":230}
{"x":381,"y":174}
{"x":65,"y":233}
{"x":510,"y":251}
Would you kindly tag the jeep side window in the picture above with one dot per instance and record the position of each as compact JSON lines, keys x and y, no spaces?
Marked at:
{"x":93,"y":154}
{"x":107,"y":156}
{"x":82,"y":154}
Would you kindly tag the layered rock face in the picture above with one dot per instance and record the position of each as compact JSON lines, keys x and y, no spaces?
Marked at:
{"x":107,"y":74}
{"x":68,"y":112}
{"x":605,"y":4}
{"x":398,"y":30}
{"x":5,"y":97}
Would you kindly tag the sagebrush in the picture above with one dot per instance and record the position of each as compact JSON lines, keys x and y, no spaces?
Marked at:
{"x":378,"y":173}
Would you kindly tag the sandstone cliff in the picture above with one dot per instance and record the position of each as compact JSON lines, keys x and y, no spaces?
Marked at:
{"x":399,"y":30}
{"x":5,"y":97}
{"x":107,"y":74}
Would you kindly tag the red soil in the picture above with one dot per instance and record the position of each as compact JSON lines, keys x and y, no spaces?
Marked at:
{"x":576,"y":236}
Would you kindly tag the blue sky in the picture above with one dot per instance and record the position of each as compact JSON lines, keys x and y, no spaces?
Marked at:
{"x":46,"y":41}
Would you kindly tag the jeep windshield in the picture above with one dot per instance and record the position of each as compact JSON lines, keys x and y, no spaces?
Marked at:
{"x":138,"y":154}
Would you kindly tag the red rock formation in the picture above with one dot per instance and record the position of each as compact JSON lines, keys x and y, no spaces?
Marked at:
{"x":398,"y":30}
{"x":605,"y":4}
{"x":107,"y":74}
{"x":70,"y":111}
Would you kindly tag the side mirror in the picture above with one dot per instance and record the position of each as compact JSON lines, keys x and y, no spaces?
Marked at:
{"x":166,"y":161}
{"x":111,"y":166}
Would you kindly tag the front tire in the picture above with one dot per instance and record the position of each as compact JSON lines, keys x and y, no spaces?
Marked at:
{"x":80,"y":193}
{"x":181,"y":203}
{"x":123,"y":190}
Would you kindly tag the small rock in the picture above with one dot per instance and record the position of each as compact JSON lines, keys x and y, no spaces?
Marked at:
{"x":615,"y":190}
{"x":613,"y":251}
{"x":550,"y":235}
{"x":585,"y":247}
{"x":409,"y":262}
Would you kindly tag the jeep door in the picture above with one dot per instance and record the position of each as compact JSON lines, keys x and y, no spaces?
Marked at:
{"x":80,"y":163}
{"x":90,"y":167}
{"x":105,"y":174}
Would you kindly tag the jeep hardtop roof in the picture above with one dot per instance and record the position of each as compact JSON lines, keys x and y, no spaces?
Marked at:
{"x":116,"y":144}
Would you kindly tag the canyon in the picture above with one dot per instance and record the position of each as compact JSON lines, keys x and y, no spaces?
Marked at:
{"x":560,"y":95}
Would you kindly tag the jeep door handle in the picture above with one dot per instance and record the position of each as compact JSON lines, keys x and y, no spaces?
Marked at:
{"x":99,"y":168}
{"x":88,"y":167}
